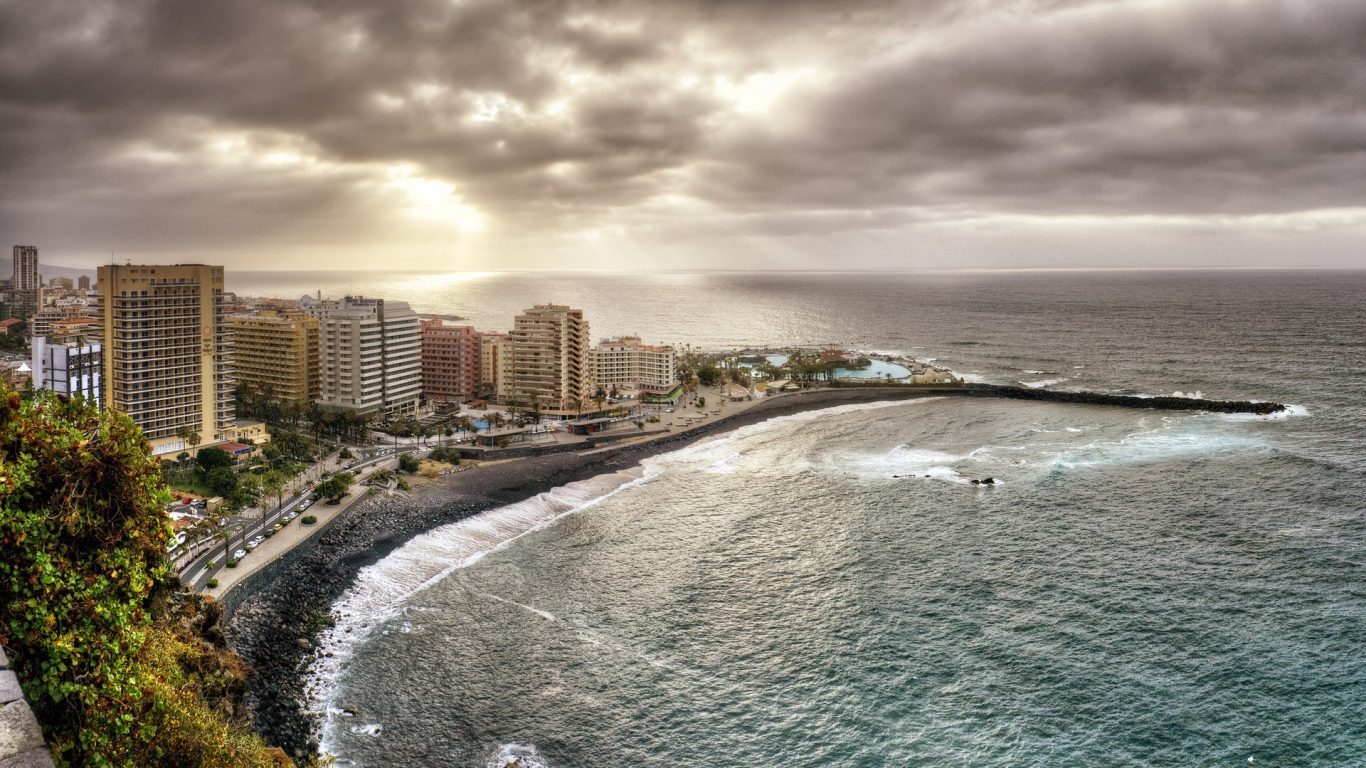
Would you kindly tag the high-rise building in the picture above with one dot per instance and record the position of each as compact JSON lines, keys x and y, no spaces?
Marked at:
{"x":167,"y":354}
{"x":546,"y":361}
{"x":279,"y":355}
{"x":73,"y":370}
{"x":490,"y":362}
{"x":450,"y":361}
{"x":371,"y":354}
{"x":25,"y":277}
{"x":627,"y":363}
{"x":83,"y":282}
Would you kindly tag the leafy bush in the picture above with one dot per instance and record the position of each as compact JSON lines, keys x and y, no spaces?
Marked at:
{"x":232,"y":563}
{"x":407,"y":462}
{"x":444,"y":454}
{"x":308,"y":520}
{"x":97,"y":627}
{"x":212,"y":583}
{"x":345,"y":453}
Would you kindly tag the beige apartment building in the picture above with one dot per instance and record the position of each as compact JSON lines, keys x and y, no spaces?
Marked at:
{"x":490,"y":362}
{"x":627,"y":363}
{"x":167,"y":354}
{"x":371,"y":354}
{"x":546,"y":361}
{"x":279,"y":354}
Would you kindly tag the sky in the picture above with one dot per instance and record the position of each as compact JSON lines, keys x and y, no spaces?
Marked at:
{"x":685,"y":134}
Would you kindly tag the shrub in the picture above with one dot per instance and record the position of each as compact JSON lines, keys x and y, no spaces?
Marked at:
{"x":407,"y":462}
{"x":309,"y":520}
{"x":212,"y":583}
{"x":232,"y":563}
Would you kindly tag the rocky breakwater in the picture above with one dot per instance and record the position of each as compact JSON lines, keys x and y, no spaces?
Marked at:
{"x":1166,"y":403}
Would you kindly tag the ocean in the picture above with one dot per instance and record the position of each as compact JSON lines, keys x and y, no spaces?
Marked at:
{"x":829,"y":589}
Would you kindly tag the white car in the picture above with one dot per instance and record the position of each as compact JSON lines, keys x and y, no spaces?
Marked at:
{"x":239,"y":554}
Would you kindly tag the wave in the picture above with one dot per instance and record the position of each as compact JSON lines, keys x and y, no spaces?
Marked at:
{"x":1031,"y":372}
{"x":381,"y":589}
{"x":1290,"y":411}
{"x":1042,"y":383}
{"x":514,"y":754}
{"x":1196,"y":395}
{"x":1154,"y":446}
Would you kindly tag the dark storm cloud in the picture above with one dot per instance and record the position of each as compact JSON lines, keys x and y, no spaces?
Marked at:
{"x":1183,"y":107}
{"x":147,"y":125}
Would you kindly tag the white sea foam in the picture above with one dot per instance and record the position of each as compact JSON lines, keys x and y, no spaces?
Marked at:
{"x":971,"y":378}
{"x":1154,"y":445}
{"x":1031,"y":372}
{"x":380,"y":589}
{"x":1291,"y":411}
{"x":513,"y":753}
{"x":368,"y":729}
{"x":547,"y":615}
{"x":1040,"y":384}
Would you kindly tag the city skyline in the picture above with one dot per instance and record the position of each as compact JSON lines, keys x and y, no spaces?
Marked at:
{"x":570,"y":135}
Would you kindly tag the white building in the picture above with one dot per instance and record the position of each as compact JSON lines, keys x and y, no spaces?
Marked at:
{"x":73,"y":370}
{"x":627,"y":363}
{"x":26,"y":269}
{"x":371,"y":354}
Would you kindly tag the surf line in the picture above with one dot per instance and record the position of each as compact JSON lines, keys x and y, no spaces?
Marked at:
{"x":547,"y":615}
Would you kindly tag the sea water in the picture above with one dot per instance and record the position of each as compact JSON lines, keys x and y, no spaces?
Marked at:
{"x":830,"y":589}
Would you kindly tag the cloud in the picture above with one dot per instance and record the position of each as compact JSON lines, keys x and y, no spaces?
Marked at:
{"x":511,"y":133}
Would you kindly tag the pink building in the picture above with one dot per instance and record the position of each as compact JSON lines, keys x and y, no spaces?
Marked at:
{"x":450,"y":361}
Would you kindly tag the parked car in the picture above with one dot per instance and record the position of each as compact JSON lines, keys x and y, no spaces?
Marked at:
{"x":239,"y":554}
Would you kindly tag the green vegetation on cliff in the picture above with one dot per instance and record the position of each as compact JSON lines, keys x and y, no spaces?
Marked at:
{"x":122,"y":667}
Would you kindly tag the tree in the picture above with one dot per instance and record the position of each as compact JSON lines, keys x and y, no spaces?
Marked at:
{"x":709,"y":375}
{"x":222,"y":481}
{"x":93,"y":620}
{"x":274,"y":483}
{"x":408,"y":462}
{"x":345,"y":453}
{"x":212,"y":458}
{"x":335,"y":487}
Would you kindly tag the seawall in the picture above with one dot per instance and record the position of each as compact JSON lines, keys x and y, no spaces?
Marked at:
{"x":1165,"y":403}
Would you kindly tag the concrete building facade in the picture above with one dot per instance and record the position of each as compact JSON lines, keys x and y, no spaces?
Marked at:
{"x":628,"y":363}
{"x":73,"y":370}
{"x":547,"y":362}
{"x":371,"y":354}
{"x":490,"y":362}
{"x":167,"y":353}
{"x":450,"y":361}
{"x":280,"y":355}
{"x":25,"y":276}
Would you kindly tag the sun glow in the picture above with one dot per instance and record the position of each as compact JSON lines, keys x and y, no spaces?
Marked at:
{"x":433,"y":199}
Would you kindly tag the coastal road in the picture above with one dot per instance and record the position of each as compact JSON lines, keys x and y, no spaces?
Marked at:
{"x":196,"y":573}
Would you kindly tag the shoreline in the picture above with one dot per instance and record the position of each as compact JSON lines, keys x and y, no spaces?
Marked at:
{"x":275,"y":621}
{"x":275,"y":627}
